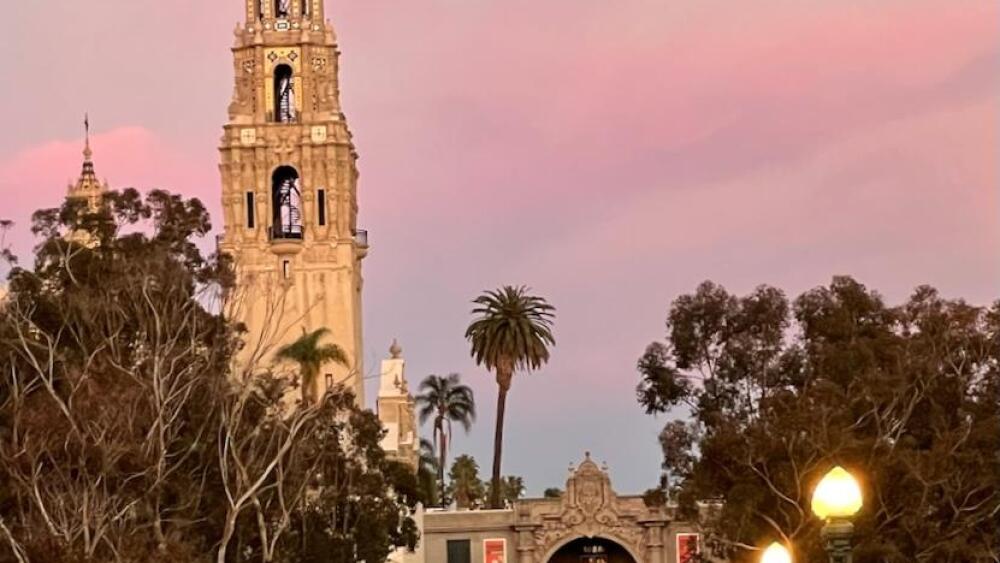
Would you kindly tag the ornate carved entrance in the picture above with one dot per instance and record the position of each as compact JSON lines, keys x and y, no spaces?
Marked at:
{"x":590,"y":516}
{"x":591,"y":550}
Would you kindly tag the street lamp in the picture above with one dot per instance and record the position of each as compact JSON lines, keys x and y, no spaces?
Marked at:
{"x":776,"y":553}
{"x":836,"y":500}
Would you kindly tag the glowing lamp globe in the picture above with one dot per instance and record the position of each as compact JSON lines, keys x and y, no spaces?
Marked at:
{"x":776,"y":553}
{"x":838,"y":495}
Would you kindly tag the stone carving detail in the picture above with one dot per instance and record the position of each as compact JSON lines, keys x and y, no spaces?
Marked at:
{"x":321,"y":254}
{"x":245,"y":91}
{"x":324,"y":95}
{"x":589,"y":509}
{"x":286,"y":143}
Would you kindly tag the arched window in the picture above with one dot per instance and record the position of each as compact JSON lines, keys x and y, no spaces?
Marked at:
{"x":260,"y":9}
{"x":284,"y":94}
{"x":307,"y":8}
{"x":282,"y":8}
{"x":287,"y":204}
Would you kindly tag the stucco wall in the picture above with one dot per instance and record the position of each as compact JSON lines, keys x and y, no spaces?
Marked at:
{"x":475,"y":526}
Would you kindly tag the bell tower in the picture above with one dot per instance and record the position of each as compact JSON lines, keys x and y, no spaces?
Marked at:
{"x":289,"y":189}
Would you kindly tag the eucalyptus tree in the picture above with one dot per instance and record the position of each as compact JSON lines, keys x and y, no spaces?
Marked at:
{"x":512,"y":330}
{"x":126,"y":435}
{"x":774,"y":392}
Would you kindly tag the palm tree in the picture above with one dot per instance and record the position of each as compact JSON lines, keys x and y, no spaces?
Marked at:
{"x":512,"y":330}
{"x":466,"y":488}
{"x":310,"y":355}
{"x":427,"y":473}
{"x":447,"y":400}
{"x":511,"y":489}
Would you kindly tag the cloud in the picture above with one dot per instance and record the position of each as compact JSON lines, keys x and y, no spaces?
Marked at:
{"x":38,"y":176}
{"x":611,"y":155}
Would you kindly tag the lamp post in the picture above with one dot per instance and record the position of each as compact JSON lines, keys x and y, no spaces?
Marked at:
{"x":836,"y":500}
{"x":776,"y":553}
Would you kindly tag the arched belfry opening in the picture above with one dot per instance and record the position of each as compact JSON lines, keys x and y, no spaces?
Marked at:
{"x":284,"y":94}
{"x":287,"y":204}
{"x":591,"y":550}
{"x":282,"y":8}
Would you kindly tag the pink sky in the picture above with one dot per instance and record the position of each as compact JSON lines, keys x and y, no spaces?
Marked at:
{"x":609,"y":154}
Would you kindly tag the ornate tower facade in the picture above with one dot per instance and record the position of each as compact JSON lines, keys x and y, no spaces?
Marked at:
{"x":87,"y":188}
{"x":289,"y":189}
{"x":397,"y":410}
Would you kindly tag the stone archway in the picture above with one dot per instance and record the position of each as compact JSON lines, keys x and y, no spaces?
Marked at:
{"x":552,"y":530}
{"x":591,"y":550}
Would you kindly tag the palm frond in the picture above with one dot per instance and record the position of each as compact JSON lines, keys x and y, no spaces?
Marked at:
{"x":511,"y":324}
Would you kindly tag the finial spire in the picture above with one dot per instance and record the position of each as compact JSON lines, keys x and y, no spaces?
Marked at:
{"x":87,"y":153}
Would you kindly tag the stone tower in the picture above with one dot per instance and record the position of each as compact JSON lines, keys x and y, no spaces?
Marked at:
{"x":86,"y":188}
{"x":396,"y":410}
{"x":289,"y":189}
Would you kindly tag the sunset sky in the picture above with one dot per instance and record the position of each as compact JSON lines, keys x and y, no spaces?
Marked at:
{"x":611,"y":154}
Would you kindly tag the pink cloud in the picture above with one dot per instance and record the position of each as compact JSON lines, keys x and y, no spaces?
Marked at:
{"x":611,"y":155}
{"x":125,"y":157}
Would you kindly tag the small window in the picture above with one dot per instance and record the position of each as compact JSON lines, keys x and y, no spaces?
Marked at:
{"x":260,"y":9}
{"x":306,"y":8}
{"x":251,"y":212}
{"x":321,"y":204}
{"x":459,"y":551}
{"x":286,"y":269}
{"x":329,"y":380}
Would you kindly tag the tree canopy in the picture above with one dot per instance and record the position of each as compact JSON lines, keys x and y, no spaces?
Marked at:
{"x":125,"y":435}
{"x":766,"y":395}
{"x":465,"y":486}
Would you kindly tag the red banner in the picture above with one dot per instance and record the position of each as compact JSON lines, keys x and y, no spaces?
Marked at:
{"x":495,"y":551}
{"x":688,"y":547}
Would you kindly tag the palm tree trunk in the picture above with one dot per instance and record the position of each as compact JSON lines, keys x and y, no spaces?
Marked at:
{"x":307,"y":386}
{"x":504,"y":386}
{"x":439,"y":427}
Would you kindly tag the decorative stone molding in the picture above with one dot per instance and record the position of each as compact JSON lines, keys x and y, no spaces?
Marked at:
{"x":589,"y":508}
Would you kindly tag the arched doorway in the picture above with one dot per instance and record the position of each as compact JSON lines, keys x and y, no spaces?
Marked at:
{"x":591,"y":550}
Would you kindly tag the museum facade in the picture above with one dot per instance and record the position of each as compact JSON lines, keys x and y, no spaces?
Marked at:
{"x":590,"y":523}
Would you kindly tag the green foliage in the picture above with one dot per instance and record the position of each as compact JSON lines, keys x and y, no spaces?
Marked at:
{"x":351,"y":517}
{"x":511,"y":330}
{"x":310,"y":355}
{"x":464,"y":483}
{"x":552,"y":492}
{"x":123,"y":434}
{"x":428,"y":478}
{"x":776,"y":393}
{"x":446,"y":400}
{"x":511,"y":489}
